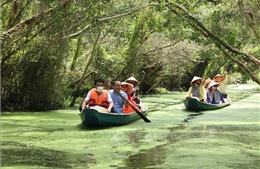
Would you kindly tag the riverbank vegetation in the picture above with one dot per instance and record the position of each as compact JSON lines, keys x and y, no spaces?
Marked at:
{"x":51,"y":51}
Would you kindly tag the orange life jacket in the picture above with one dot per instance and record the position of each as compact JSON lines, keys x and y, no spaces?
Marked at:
{"x":129,"y":109}
{"x":101,"y":100}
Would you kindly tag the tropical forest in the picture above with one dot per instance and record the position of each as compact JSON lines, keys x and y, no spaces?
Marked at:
{"x":52,"y":51}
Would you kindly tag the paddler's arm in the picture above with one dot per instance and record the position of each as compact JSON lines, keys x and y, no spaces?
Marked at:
{"x":84,"y":103}
{"x":111,"y":103}
{"x":189,"y":94}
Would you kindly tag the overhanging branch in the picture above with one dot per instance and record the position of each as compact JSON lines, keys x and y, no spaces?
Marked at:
{"x":204,"y":30}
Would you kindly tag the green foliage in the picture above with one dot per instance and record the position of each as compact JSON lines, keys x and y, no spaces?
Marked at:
{"x":31,"y":69}
{"x":54,"y":57}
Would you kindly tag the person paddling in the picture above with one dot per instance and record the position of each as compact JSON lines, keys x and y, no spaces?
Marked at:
{"x":135,"y":91}
{"x":127,"y":88}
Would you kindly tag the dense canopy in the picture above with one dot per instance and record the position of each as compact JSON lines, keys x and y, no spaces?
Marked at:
{"x":51,"y":51}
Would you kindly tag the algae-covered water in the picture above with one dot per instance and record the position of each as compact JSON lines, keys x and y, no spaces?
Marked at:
{"x":227,"y":138}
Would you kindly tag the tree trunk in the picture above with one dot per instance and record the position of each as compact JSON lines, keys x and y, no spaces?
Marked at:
{"x":79,"y":84}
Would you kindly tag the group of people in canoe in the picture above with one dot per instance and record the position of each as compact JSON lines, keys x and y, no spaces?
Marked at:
{"x":122,"y":97}
{"x":118,"y":97}
{"x":209,"y":91}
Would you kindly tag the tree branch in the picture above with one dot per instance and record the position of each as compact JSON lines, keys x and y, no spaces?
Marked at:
{"x":28,"y":21}
{"x":77,"y":33}
{"x":106,"y":19}
{"x":163,"y":47}
{"x":214,"y":37}
{"x":35,"y":19}
{"x":255,"y":78}
{"x":126,"y":14}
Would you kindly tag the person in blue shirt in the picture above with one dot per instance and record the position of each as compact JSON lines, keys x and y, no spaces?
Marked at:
{"x":214,"y":95}
{"x":119,"y":102}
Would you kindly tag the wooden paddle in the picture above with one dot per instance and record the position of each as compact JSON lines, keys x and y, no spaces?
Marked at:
{"x":130,"y":104}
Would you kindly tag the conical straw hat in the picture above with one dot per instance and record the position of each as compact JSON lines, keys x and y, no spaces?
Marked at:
{"x":195,"y":78}
{"x":131,"y":79}
{"x":213,"y":83}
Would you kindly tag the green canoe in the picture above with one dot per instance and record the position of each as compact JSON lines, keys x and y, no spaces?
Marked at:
{"x":95,"y":117}
{"x":196,"y":105}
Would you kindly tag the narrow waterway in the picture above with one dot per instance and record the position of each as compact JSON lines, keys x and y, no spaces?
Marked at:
{"x":175,"y":139}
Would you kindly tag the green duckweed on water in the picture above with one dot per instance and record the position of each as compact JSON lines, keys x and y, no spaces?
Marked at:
{"x":226,"y":138}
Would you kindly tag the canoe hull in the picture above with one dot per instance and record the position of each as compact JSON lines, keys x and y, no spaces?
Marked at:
{"x":195,"y":105}
{"x":93,"y":117}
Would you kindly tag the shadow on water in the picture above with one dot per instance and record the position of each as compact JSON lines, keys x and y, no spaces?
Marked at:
{"x":85,"y":127}
{"x":18,"y":154}
{"x":192,"y":115}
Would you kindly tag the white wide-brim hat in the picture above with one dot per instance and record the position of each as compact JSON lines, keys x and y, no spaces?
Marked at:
{"x":129,"y":86}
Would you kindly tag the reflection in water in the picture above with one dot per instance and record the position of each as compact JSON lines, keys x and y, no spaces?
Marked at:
{"x":210,"y":133}
{"x":134,"y":137}
{"x":154,"y":156}
{"x":192,"y":116}
{"x":146,"y":158}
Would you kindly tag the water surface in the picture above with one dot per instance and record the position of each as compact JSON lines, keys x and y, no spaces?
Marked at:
{"x":176,"y":138}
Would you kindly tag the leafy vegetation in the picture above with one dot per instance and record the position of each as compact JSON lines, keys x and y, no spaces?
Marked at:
{"x":51,"y":51}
